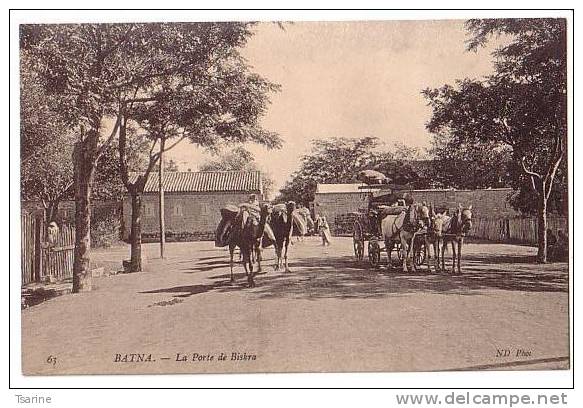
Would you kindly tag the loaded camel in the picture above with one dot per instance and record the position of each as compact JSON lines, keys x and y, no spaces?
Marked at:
{"x":246,"y":233}
{"x":282,"y":224}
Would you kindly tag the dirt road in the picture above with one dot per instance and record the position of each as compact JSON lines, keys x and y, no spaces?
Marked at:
{"x":329,"y":314}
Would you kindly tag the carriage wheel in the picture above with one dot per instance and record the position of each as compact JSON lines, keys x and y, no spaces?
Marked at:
{"x":358,"y":241}
{"x":419,"y":257}
{"x":374,"y":253}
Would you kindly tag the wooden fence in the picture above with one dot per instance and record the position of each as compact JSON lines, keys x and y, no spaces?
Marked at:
{"x":43,"y":260}
{"x":524,"y":230}
{"x":27,"y":241}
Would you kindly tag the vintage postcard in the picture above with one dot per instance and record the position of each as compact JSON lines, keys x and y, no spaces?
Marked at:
{"x":294,"y":196}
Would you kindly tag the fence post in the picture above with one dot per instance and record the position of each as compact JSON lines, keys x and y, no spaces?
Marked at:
{"x":38,"y":225}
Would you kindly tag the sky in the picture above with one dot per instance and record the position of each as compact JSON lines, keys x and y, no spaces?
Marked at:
{"x":350,"y":79}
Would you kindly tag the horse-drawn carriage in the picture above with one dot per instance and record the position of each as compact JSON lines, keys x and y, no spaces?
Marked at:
{"x":384,"y":201}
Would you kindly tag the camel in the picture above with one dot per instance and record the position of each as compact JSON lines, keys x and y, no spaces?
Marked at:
{"x":282,"y":225}
{"x":404,"y":226}
{"x":246,"y":233}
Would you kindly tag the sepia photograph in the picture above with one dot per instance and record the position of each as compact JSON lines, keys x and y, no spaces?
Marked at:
{"x":294,"y":196}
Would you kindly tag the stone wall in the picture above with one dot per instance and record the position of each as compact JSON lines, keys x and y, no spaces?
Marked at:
{"x":336,"y":207}
{"x":491,"y":203}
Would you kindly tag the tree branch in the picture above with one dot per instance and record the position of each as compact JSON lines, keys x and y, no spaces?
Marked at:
{"x":123,"y":165}
{"x":533,"y":177}
{"x":550,"y":178}
{"x":152,"y":148}
{"x":153,"y":161}
{"x":527,"y":171}
{"x":174,"y":144}
{"x":111,"y":136}
{"x":138,"y":100}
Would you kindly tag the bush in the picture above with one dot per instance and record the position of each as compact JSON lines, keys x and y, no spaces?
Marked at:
{"x":105,"y":231}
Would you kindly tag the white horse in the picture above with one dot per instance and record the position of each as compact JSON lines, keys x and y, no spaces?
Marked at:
{"x":404,"y":226}
{"x":446,"y":229}
{"x":434,"y":237}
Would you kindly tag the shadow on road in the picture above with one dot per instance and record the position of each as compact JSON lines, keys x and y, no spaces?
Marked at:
{"x":342,"y":277}
{"x":187,"y":291}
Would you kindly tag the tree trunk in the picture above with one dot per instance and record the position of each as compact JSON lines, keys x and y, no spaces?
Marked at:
{"x":136,"y":233}
{"x":52,"y":210}
{"x":542,"y":229}
{"x":83,"y":156}
{"x":161,"y":209}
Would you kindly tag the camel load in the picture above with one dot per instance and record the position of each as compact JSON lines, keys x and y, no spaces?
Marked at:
{"x":252,"y":227}
{"x":228,"y":214}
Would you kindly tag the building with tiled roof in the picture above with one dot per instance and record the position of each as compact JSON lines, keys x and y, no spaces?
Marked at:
{"x":203,"y":181}
{"x":192,"y":202}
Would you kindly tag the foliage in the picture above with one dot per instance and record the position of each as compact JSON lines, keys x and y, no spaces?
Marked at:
{"x":49,"y":175}
{"x":105,"y":231}
{"x":522,"y":105}
{"x":108,"y":183}
{"x":45,"y":142}
{"x":240,"y":159}
{"x":213,"y":101}
{"x":338,"y":160}
{"x":47,"y":147}
{"x":518,"y":112}
{"x":470,"y":165}
{"x":176,"y":80}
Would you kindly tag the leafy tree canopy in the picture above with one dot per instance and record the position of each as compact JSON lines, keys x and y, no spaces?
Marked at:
{"x":339,"y":160}
{"x":513,"y":123}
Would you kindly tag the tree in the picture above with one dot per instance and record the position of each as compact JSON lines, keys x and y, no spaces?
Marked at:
{"x":98,"y":70}
{"x":46,"y":148}
{"x":45,"y":145}
{"x":470,"y":165}
{"x":339,"y":160}
{"x":108,"y":183}
{"x":240,"y":159}
{"x":522,"y":105}
{"x":49,"y":177}
{"x":219,"y":101}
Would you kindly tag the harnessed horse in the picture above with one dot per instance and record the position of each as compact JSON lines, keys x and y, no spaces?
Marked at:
{"x":451,"y":229}
{"x":405,"y":226}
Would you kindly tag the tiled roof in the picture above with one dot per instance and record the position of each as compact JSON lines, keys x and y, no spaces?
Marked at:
{"x":204,"y":181}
